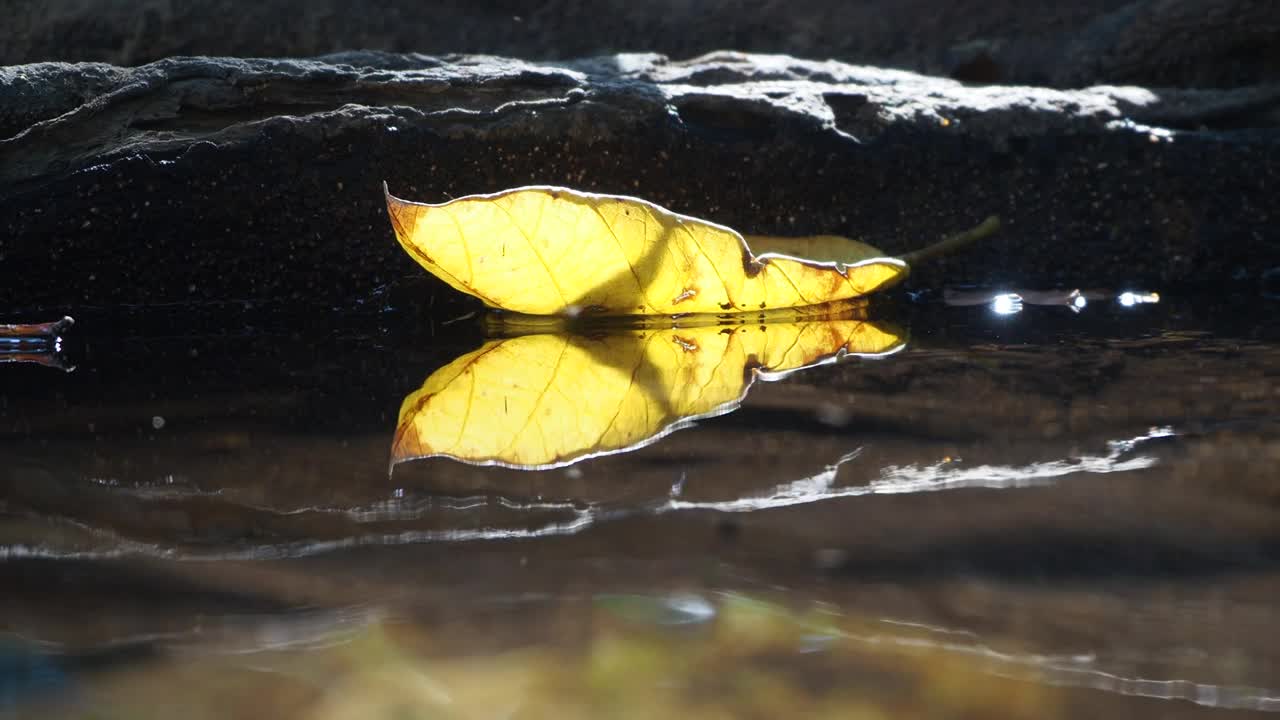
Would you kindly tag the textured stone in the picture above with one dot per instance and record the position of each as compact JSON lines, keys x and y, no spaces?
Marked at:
{"x":214,"y":179}
{"x":1208,"y":43}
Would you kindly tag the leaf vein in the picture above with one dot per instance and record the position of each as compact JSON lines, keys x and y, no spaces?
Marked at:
{"x":542,"y":394}
{"x":428,"y":263}
{"x":727,"y":295}
{"x":564,"y":301}
{"x":626,"y":260}
{"x":466,"y":415}
{"x":466,"y":248}
{"x":792,"y":283}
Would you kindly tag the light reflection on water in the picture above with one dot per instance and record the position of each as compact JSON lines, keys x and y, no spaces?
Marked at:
{"x":1011,"y":302}
{"x":996,"y":515}
{"x":946,"y":475}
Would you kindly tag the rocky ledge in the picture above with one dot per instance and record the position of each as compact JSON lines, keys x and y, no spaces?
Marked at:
{"x":215,"y":179}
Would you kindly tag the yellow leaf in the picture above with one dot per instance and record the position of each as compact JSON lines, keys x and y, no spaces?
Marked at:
{"x":550,"y":250}
{"x":826,"y":248}
{"x":549,"y":399}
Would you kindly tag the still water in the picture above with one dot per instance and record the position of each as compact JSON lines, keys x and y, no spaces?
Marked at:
{"x":978,"y":505}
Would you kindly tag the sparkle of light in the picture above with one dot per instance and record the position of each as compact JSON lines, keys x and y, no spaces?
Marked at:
{"x":1129,"y":299}
{"x":1006,"y":304}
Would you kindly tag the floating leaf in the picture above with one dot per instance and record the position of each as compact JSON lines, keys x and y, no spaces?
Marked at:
{"x":551,"y":250}
{"x":549,"y":399}
{"x":823,"y":248}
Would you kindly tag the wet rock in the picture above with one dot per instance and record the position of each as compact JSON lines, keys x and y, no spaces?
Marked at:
{"x":1215,"y":43}
{"x":213,"y":179}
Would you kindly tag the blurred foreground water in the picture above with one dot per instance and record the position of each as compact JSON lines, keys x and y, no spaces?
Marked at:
{"x":1046,"y":505}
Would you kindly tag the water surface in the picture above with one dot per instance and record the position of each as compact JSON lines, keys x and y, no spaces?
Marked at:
{"x":1012,"y":510}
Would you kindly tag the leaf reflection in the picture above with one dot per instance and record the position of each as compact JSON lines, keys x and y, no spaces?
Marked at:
{"x":547,"y":400}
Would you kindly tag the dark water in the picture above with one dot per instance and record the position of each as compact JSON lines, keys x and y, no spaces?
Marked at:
{"x":1046,"y":513}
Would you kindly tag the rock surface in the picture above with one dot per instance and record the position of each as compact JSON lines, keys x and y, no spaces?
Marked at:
{"x":216,"y":179}
{"x":1205,"y":43}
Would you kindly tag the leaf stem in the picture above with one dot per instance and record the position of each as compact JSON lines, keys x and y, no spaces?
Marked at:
{"x":949,"y":245}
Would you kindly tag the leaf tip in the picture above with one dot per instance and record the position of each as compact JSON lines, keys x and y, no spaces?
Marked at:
{"x":406,"y":444}
{"x":399,"y":212}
